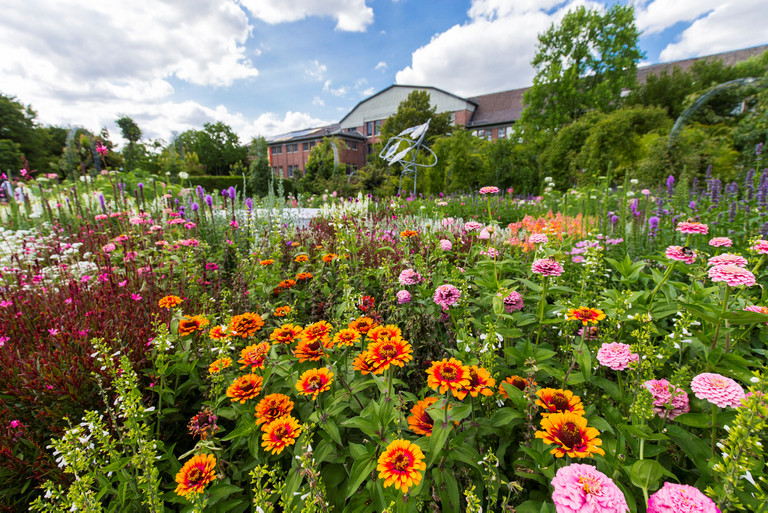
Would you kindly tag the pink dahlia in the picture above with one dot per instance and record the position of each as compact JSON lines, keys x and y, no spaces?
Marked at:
{"x":757,"y":309}
{"x":675,"y":498}
{"x":721,"y":242}
{"x":472,"y":226}
{"x":760,"y":246}
{"x":680,"y":254}
{"x":489,"y":190}
{"x":685,"y":227}
{"x":447,"y":295}
{"x":538,"y":238}
{"x":547,"y":267}
{"x":663,"y":399}
{"x":403,"y":297}
{"x":731,"y":274}
{"x":616,"y":356}
{"x":409,"y":277}
{"x":446,"y":245}
{"x":582,"y":488}
{"x":717,"y":389}
{"x":728,"y":258}
{"x":513,"y":302}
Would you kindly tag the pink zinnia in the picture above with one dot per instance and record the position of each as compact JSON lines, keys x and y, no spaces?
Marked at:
{"x":662,"y":397}
{"x":721,"y":241}
{"x":582,"y":488}
{"x":547,"y":267}
{"x":675,"y":498}
{"x":472,"y":225}
{"x":677,"y":253}
{"x":491,"y":253}
{"x":100,"y":217}
{"x":447,"y":295}
{"x":538,"y":238}
{"x":717,"y":389}
{"x":403,"y":297}
{"x":513,"y":302}
{"x":728,"y":258}
{"x":733,"y":275}
{"x":409,"y":277}
{"x":109,"y":247}
{"x":760,"y":246}
{"x":446,"y":245}
{"x":685,"y":227}
{"x":489,"y":190}
{"x":616,"y":356}
{"x":484,"y":234}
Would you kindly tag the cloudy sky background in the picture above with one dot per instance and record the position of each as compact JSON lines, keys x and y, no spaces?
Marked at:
{"x":270,"y":66}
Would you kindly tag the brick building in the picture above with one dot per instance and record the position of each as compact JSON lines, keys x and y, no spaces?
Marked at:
{"x":489,"y":116}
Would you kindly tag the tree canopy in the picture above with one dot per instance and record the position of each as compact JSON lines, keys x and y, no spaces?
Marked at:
{"x":217,"y":146}
{"x":416,"y":110}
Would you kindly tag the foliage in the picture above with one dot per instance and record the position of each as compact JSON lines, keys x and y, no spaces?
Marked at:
{"x":217,"y":147}
{"x":322,"y":170}
{"x":462,"y":163}
{"x":259,"y":172}
{"x":416,"y":110}
{"x":131,"y":133}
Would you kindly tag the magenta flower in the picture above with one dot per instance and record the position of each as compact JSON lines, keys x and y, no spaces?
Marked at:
{"x":616,"y":356}
{"x":447,"y":295}
{"x":692,"y":228}
{"x":721,"y":242}
{"x":403,"y":297}
{"x":513,"y":302}
{"x":675,"y":498}
{"x":733,"y":275}
{"x":489,"y":190}
{"x":717,"y":389}
{"x":547,"y":267}
{"x":760,"y":246}
{"x":473,"y":225}
{"x":109,"y":247}
{"x":211,"y":266}
{"x":728,"y":258}
{"x":538,"y":238}
{"x":446,"y":245}
{"x":677,"y":253}
{"x":136,"y":297}
{"x":582,"y":488}
{"x":409,"y":277}
{"x":101,"y":149}
{"x":663,"y":398}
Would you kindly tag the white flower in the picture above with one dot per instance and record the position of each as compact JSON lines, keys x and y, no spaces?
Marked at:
{"x":754,"y":379}
{"x":748,"y":477}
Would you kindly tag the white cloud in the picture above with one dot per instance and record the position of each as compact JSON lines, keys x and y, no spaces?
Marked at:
{"x":318,"y":101}
{"x":315,"y":70}
{"x":381,"y":66}
{"x":339,"y":91}
{"x":658,"y":15}
{"x":492,"y":51}
{"x":350,"y":15}
{"x":368,"y":92}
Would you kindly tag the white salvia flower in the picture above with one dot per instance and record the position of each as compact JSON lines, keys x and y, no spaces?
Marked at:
{"x":150,"y":409}
{"x":754,"y":379}
{"x":748,"y":477}
{"x":727,"y":427}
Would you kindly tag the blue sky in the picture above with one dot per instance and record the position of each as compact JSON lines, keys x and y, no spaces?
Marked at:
{"x":270,"y":66}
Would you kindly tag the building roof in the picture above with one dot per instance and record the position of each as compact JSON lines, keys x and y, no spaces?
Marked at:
{"x":727,"y":58}
{"x":315,"y":133}
{"x":496,"y":108}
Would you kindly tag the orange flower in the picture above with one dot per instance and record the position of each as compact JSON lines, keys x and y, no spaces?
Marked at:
{"x":189,"y":324}
{"x":280,"y":433}
{"x":311,"y":351}
{"x":286,"y":284}
{"x":219,"y":365}
{"x":245,"y":325}
{"x":282,"y":311}
{"x":170,"y":301}
{"x":448,"y":375}
{"x":362,"y":364}
{"x":318,"y":331}
{"x":273,"y":406}
{"x":254,"y":356}
{"x":314,"y":381}
{"x":268,"y":261}
{"x":516,"y":381}
{"x":399,"y":465}
{"x":559,"y":401}
{"x":407,"y":234}
{"x":304,"y":276}
{"x":285,"y":334}
{"x":394,"y":351}
{"x":585,"y":315}
{"x":330,"y":257}
{"x":245,"y":387}
{"x":384,"y":332}
{"x":362,"y":324}
{"x":569,"y":433}
{"x":195,"y":474}
{"x":300,"y":259}
{"x":218,"y":332}
{"x":419,"y":421}
{"x":480,"y":382}
{"x":346,"y":337}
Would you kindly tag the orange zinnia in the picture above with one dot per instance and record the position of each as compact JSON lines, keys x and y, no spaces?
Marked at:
{"x":585,"y":315}
{"x":189,"y":324}
{"x":480,"y":382}
{"x":300,"y":259}
{"x":286,"y":284}
{"x":419,"y":421}
{"x":304,"y":276}
{"x":245,"y":387}
{"x":330,"y":257}
{"x":362,"y":364}
{"x":218,"y":332}
{"x":273,"y":407}
{"x":170,"y":301}
{"x":314,"y":381}
{"x":407,"y":234}
{"x":254,"y":356}
{"x":318,"y":331}
{"x":394,"y":351}
{"x":385,"y":332}
{"x":569,"y":433}
{"x":245,"y":325}
{"x":311,"y":351}
{"x":346,"y":337}
{"x":219,"y":365}
{"x":267,"y":261}
{"x":285,"y":334}
{"x":282,"y":311}
{"x":399,"y":465}
{"x":195,"y":474}
{"x":280,"y":433}
{"x":555,"y":400}
{"x":515,"y":381}
{"x":448,"y":375}
{"x":362,"y":324}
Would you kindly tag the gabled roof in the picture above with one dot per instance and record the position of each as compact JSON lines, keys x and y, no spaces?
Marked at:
{"x":315,"y":133}
{"x":497,"y":108}
{"x":728,"y":59}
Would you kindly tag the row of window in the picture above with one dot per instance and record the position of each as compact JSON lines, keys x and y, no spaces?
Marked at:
{"x":293,"y":148}
{"x":373,"y":128}
{"x":278,"y":171}
{"x":487,"y":134}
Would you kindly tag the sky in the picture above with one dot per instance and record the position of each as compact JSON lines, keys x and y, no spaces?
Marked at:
{"x":266,"y":67}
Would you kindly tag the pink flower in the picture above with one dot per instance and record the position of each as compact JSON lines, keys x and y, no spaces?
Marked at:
{"x":446,"y":245}
{"x":760,"y":246}
{"x":136,"y":297}
{"x":3,"y":340}
{"x":685,"y":227}
{"x":53,"y":331}
{"x":489,"y":190}
{"x":403,"y":297}
{"x":577,"y":259}
{"x":234,"y":224}
{"x":409,"y":277}
{"x":6,"y":303}
{"x":490,"y":253}
{"x":190,"y":225}
{"x":211,"y":266}
{"x":717,"y":389}
{"x":675,"y":498}
{"x":757,"y":309}
{"x":733,"y":275}
{"x":582,"y":488}
{"x":513,"y":302}
{"x":616,"y":356}
{"x":447,"y":295}
{"x":681,"y":255}
{"x":101,"y":217}
{"x":15,"y":423}
{"x":108,"y":248}
{"x":538,"y":238}
{"x":721,"y":242}
{"x":662,"y":398}
{"x":123,"y":283}
{"x":101,"y":149}
{"x":728,"y":258}
{"x":484,"y":234}
{"x":547,"y":267}
{"x":472,"y":225}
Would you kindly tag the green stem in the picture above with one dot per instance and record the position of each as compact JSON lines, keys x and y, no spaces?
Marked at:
{"x":542,"y":307}
{"x":719,"y":320}
{"x":714,"y":428}
{"x":662,"y":282}
{"x":754,"y":271}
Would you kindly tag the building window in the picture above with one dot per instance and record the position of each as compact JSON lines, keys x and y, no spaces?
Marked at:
{"x":369,"y":128}
{"x":296,"y":147}
{"x":502,"y":133}
{"x":312,"y":144}
{"x":453,"y":118}
{"x":353,"y":145}
{"x":305,"y":146}
{"x":377,"y":129}
{"x":279,"y":150}
{"x":290,"y":171}
{"x":369,"y":148}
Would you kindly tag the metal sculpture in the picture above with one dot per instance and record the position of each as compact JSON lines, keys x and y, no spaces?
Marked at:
{"x":413,"y":139}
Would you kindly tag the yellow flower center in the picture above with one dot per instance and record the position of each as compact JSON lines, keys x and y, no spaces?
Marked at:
{"x":401,"y":462}
{"x":590,"y":484}
{"x":448,"y":373}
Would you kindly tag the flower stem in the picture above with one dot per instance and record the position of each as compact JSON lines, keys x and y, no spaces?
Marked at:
{"x":542,"y":306}
{"x":720,"y":320}
{"x":714,"y":428}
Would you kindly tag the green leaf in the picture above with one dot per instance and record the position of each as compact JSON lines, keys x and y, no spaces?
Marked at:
{"x":367,"y":426}
{"x":361,"y":470}
{"x":646,"y":474}
{"x":440,"y":433}
{"x":698,"y":420}
{"x":641,"y":432}
{"x":507,"y":416}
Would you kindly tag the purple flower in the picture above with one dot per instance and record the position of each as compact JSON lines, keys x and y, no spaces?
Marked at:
{"x":194,"y":206}
{"x":670,"y":184}
{"x":103,"y":203}
{"x":403,"y":297}
{"x":759,"y":149}
{"x":140,"y":185}
{"x":209,"y":200}
{"x":614,"y":220}
{"x":249,"y":204}
{"x":232,"y":193}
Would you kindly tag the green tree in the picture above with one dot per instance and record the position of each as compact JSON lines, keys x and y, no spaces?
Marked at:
{"x":461,"y":163}
{"x":131,"y":133}
{"x":322,"y":170}
{"x":259,"y":172}
{"x":416,"y":110}
{"x":217,"y":146}
{"x":583,"y":64}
